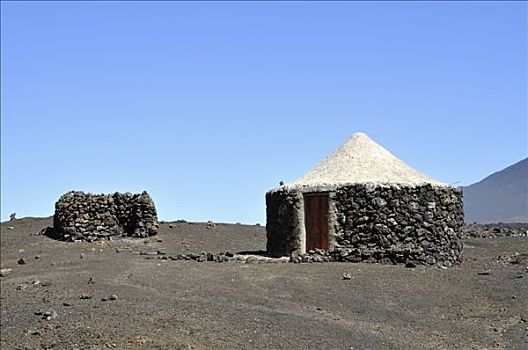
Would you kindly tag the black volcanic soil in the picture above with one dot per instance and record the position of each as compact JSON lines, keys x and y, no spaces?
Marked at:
{"x":166,"y":304}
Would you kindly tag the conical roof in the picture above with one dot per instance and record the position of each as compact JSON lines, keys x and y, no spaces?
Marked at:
{"x":361,"y":160}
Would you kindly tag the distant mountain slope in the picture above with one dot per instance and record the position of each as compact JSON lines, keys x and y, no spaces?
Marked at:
{"x":500,"y":197}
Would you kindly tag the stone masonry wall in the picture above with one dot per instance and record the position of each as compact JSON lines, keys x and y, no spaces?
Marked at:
{"x":282,"y":222}
{"x":86,"y":216}
{"x":390,"y":224}
{"x":399,"y":224}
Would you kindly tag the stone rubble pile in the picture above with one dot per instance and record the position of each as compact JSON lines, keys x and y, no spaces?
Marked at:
{"x":214,"y":257}
{"x":81,"y":216}
{"x":496,"y":230}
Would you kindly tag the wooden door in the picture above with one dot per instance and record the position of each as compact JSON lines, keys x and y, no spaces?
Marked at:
{"x":316,"y":219}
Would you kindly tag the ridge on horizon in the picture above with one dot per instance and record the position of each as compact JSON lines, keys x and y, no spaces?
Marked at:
{"x":500,"y":197}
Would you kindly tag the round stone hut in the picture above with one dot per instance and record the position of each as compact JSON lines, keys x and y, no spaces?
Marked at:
{"x":364,"y":204}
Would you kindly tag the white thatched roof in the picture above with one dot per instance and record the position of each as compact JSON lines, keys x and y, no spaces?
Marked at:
{"x":361,"y":160}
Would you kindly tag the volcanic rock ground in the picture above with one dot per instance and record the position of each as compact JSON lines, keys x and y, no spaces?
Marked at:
{"x":166,"y":304}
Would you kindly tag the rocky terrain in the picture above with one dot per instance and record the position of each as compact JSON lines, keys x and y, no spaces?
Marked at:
{"x":150,"y":293}
{"x":496,"y":230}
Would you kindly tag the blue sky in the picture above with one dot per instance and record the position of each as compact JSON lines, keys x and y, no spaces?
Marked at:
{"x":209,"y":105}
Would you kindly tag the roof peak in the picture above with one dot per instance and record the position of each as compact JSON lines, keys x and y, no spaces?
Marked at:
{"x":361,"y":160}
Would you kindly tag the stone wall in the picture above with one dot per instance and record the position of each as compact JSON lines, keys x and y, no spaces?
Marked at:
{"x":390,"y":224}
{"x":283,"y":210}
{"x":399,"y":224}
{"x":86,"y":216}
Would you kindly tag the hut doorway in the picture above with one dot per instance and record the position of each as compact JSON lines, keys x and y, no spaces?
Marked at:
{"x":316,"y":220}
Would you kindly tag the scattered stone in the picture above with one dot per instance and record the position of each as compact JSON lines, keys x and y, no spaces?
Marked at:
{"x":21,"y":261}
{"x":37,"y":257}
{"x":66,"y":303}
{"x":5,"y":272}
{"x":447,"y":264}
{"x":91,"y":280}
{"x":148,"y":253}
{"x":112,"y":297}
{"x":514,"y":258}
{"x":49,"y":314}
{"x":81,"y":256}
{"x":483,"y":273}
{"x":518,"y":274}
{"x":46,"y":284}
{"x":347,"y":276}
{"x":85,"y":296}
{"x":10,"y":228}
{"x":496,"y":230}
{"x":210,"y":225}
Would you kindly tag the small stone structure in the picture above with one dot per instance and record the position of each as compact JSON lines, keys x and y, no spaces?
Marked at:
{"x":364,"y":204}
{"x":86,"y":216}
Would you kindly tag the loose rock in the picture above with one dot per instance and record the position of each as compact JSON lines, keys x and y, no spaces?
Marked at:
{"x":210,"y":225}
{"x":518,"y":274}
{"x":5,"y":272}
{"x":49,"y":314}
